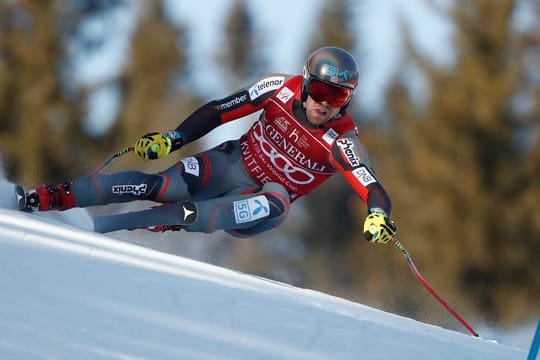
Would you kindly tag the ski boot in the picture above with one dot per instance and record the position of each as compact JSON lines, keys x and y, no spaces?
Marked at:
{"x":45,"y":198}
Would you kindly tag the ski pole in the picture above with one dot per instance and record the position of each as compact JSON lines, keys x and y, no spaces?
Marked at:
{"x":420,"y":278}
{"x":111,"y":159}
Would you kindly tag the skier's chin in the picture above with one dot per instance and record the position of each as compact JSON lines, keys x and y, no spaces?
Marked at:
{"x":319,"y":117}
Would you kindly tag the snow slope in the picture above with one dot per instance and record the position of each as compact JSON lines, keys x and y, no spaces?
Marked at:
{"x":69,"y":293}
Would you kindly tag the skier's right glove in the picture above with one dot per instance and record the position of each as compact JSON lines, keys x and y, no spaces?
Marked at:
{"x":378,"y":228}
{"x":156,"y":146}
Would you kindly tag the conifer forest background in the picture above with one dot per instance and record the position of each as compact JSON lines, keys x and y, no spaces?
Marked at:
{"x":461,"y":164}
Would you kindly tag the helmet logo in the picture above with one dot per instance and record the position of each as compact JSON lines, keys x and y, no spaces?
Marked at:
{"x":331,"y":71}
{"x":334,"y":73}
{"x":344,"y":74}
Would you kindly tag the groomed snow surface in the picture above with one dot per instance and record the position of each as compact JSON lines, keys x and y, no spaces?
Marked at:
{"x":69,"y":293}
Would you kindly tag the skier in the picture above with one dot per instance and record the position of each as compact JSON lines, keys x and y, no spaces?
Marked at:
{"x":244,"y":186}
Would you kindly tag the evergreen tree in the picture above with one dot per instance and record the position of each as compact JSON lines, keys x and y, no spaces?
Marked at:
{"x":38,"y":120}
{"x":84,"y":47}
{"x":154,"y":98}
{"x":240,"y":54}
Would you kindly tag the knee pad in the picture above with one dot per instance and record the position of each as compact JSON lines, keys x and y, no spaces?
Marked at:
{"x":278,"y":199}
{"x":279,"y":205}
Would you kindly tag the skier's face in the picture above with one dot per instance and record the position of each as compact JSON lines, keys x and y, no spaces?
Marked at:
{"x":319,"y":113}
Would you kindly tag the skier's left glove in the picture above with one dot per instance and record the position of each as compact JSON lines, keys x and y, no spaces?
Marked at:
{"x":156,"y":146}
{"x":378,"y":228}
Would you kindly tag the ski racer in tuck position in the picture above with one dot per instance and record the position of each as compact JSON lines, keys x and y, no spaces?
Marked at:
{"x":245,"y":186}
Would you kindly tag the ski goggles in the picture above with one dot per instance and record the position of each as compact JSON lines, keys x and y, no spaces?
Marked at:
{"x":335,"y":96}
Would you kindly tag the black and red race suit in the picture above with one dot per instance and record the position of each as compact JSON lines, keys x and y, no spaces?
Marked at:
{"x":245,"y":186}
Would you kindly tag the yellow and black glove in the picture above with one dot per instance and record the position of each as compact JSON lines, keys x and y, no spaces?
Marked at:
{"x":378,"y":228}
{"x":154,"y":146}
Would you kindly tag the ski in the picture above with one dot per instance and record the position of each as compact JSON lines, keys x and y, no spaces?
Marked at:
{"x":183,"y":213}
